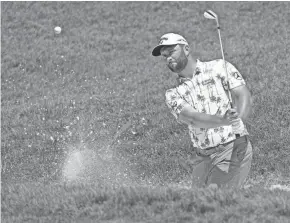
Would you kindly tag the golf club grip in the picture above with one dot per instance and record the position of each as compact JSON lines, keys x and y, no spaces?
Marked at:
{"x":232,"y":106}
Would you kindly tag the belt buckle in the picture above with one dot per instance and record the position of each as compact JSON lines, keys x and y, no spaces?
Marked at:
{"x":201,"y":152}
{"x":205,"y":152}
{"x":220,"y":148}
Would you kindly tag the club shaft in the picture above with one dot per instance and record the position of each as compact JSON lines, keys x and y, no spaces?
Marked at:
{"x":227,"y":76}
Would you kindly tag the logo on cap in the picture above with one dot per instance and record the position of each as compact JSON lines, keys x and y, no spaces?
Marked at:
{"x":162,"y":40}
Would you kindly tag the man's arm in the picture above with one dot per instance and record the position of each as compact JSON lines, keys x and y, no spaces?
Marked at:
{"x":188,"y":115}
{"x":243,"y":101}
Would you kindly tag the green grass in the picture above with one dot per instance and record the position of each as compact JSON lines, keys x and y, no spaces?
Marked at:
{"x":74,"y":91}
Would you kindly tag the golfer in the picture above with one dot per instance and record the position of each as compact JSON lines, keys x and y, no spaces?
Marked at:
{"x":201,"y":101}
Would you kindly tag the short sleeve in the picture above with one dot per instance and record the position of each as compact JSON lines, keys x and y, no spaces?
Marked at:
{"x":235,"y":78}
{"x":175,"y":102}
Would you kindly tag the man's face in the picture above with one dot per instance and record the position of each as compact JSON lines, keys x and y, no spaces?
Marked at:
{"x":175,"y":57}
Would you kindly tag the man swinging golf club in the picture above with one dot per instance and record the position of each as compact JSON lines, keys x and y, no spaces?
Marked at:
{"x":213,"y":100}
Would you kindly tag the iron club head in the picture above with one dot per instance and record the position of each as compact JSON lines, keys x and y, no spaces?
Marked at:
{"x":210,"y":15}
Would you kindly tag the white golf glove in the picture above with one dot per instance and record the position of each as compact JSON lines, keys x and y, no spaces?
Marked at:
{"x":237,"y":126}
{"x":236,"y":123}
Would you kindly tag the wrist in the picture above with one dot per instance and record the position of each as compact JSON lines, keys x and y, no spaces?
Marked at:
{"x":226,"y":122}
{"x":223,"y":120}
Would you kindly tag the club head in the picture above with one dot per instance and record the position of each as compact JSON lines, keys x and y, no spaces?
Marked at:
{"x":210,"y":15}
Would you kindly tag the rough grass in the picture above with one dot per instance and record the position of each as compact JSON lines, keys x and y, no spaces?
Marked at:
{"x":98,"y":203}
{"x":74,"y":91}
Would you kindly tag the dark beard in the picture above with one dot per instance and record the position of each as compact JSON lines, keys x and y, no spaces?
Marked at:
{"x":181,"y":64}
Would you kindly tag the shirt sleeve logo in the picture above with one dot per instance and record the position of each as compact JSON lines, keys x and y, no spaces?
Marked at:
{"x":237,"y":75}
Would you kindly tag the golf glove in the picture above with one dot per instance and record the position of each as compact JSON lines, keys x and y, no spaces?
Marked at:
{"x":237,"y":126}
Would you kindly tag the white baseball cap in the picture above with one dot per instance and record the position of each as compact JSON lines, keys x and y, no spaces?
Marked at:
{"x":167,"y":40}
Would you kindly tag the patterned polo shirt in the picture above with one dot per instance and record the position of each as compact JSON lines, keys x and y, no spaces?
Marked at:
{"x":206,"y":93}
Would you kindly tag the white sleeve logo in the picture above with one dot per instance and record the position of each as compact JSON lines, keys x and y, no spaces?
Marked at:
{"x":237,"y":75}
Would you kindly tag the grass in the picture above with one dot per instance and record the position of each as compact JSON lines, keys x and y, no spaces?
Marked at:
{"x":74,"y":91}
{"x":99,"y":203}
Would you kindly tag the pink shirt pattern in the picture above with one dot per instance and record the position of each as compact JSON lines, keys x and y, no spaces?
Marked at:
{"x":206,"y":93}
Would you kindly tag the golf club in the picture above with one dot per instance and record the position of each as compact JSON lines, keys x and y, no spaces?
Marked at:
{"x":211,"y":15}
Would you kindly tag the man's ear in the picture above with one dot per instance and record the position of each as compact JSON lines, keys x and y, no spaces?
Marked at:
{"x":186,"y":50}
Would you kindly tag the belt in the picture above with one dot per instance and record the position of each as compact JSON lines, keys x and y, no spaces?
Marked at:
{"x":211,"y":150}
